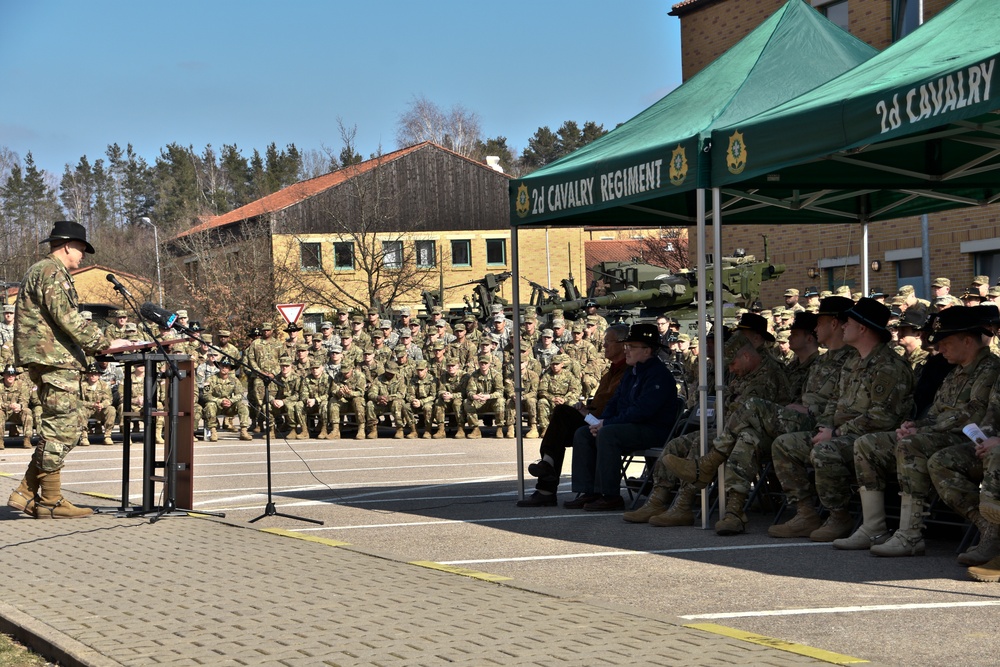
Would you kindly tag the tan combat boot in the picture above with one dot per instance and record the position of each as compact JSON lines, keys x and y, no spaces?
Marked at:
{"x":360,"y":435}
{"x":26,"y":443}
{"x":838,"y":525}
{"x":51,"y":504}
{"x":987,"y":572}
{"x":412,"y":435}
{"x":499,"y":432}
{"x":510,"y":432}
{"x":427,"y":433}
{"x":84,"y":440}
{"x":475,"y":433}
{"x":699,"y":469}
{"x":322,"y":432}
{"x":989,"y":542}
{"x":734,"y":522}
{"x":213,"y":435}
{"x":398,"y":435}
{"x":680,"y":513}
{"x":873,"y":529}
{"x":655,"y":504}
{"x":334,"y":432}
{"x":908,"y":540}
{"x":24,"y":495}
{"x":244,"y":434}
{"x":460,"y":433}
{"x":439,"y":433}
{"x":805,"y":521}
{"x":532,"y":432}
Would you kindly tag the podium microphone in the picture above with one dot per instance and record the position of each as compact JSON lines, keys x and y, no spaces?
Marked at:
{"x":118,"y":286}
{"x":157,"y":315}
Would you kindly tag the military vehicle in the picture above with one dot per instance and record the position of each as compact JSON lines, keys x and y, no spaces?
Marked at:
{"x":640,"y":292}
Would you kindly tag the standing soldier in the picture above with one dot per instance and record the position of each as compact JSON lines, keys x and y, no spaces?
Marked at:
{"x":361,"y":337}
{"x":316,"y":400}
{"x":438,"y":359}
{"x":484,"y":393}
{"x":327,"y":338}
{"x":557,"y":386}
{"x":451,"y":388}
{"x":7,"y":326}
{"x":117,"y":330}
{"x":382,"y":352}
{"x":347,"y":394}
{"x":385,"y":396}
{"x":472,"y":331}
{"x":225,"y":396}
{"x":303,"y":362}
{"x":352,"y":353}
{"x":226,"y":346}
{"x":598,"y":320}
{"x":286,"y":401}
{"x":420,"y":394}
{"x":51,"y":342}
{"x":262,"y":356}
{"x":529,"y":330}
{"x":95,"y":403}
{"x":437,"y":316}
{"x":371,"y":324}
{"x":15,"y":394}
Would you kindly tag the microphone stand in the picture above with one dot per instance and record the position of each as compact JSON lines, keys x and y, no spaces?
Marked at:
{"x":170,"y":458}
{"x":269,"y":509}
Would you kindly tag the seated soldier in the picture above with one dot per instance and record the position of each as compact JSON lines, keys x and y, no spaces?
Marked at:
{"x":286,"y":401}
{"x":225,"y":397}
{"x":450,"y":392}
{"x":556,"y":386}
{"x":484,"y":393}
{"x":95,"y":403}
{"x":316,"y":400}
{"x":529,"y":398}
{"x":15,"y":395}
{"x":420,"y":394}
{"x":347,"y":394}
{"x":385,"y":397}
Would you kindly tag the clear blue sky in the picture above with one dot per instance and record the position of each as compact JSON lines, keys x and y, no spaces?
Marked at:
{"x":79,"y":75}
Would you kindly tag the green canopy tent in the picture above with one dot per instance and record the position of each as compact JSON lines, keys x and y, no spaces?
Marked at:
{"x":651,"y":170}
{"x":911,"y":131}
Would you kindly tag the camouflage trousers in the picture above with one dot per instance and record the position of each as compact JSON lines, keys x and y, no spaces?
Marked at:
{"x":105,"y":416}
{"x":878,"y":456}
{"x":544,"y":409}
{"x":394,"y":408}
{"x":290,"y":412}
{"x":833,"y":461}
{"x":956,"y":472}
{"x":321,"y":409}
{"x":682,"y":446}
{"x":473,"y":408}
{"x":750,"y":430}
{"x":61,"y":419}
{"x":426,"y":410}
{"x":237,"y":409}
{"x":24,"y":419}
{"x":529,"y":409}
{"x":454,"y":406}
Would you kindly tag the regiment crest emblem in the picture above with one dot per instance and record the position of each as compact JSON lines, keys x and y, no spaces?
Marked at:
{"x":678,"y":166}
{"x":523,"y":204}
{"x":736,"y":154}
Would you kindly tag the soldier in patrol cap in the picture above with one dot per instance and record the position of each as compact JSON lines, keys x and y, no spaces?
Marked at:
{"x":940,"y":287}
{"x":420,"y":394}
{"x":557,"y":386}
{"x":96,"y":403}
{"x":484,"y":393}
{"x":981,"y":284}
{"x":385,"y":396}
{"x":792,"y":300}
{"x":546,"y":348}
{"x":15,"y":394}
{"x":117,"y":329}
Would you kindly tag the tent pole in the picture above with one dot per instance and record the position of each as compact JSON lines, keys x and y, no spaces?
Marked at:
{"x":702,"y":343}
{"x":865,"y":264}
{"x":515,"y":296}
{"x":925,"y":248}
{"x":720,"y":369}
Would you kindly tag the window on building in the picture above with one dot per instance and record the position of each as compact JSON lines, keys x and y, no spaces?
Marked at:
{"x":988,"y":264}
{"x":392,"y":254}
{"x":836,"y":12}
{"x":461,"y":253}
{"x":343,"y":255}
{"x":835,"y":278}
{"x":309,"y":257}
{"x":496,"y":251}
{"x":911,"y":272}
{"x":905,"y":18}
{"x":426,"y":254}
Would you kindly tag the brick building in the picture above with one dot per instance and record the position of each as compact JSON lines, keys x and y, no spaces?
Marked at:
{"x":963,"y":243}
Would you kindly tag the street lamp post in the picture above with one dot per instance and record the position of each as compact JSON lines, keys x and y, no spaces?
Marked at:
{"x":156,"y":242}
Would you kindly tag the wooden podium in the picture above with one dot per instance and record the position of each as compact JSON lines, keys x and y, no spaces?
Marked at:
{"x":173,"y":468}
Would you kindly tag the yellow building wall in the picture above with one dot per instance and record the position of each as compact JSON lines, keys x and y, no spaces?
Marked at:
{"x":93,"y":287}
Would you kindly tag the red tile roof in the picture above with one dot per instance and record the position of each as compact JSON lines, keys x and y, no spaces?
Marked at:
{"x":303,"y":190}
{"x":686,"y":6}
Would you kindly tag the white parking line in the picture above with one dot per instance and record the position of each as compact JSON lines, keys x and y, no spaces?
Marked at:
{"x":617,"y":554}
{"x":846,"y":610}
{"x":445,"y":522}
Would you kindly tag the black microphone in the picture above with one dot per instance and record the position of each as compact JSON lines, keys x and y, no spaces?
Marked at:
{"x":157,"y":315}
{"x":118,"y":285}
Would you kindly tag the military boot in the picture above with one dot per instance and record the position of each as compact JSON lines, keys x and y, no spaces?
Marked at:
{"x":413,"y":432}
{"x":510,"y":432}
{"x":532,"y":432}
{"x":989,"y":543}
{"x":360,"y":435}
{"x":499,"y":432}
{"x":460,"y":433}
{"x":398,"y":433}
{"x":322,"y":432}
{"x":334,"y":432}
{"x":85,"y":440}
{"x":699,"y":469}
{"x":427,"y":433}
{"x":245,"y":434}
{"x":213,"y":435}
{"x":440,"y":432}
{"x":50,"y":503}
{"x":987,"y":572}
{"x":657,"y":503}
{"x":734,"y":522}
{"x":805,"y":521}
{"x":680,"y":513}
{"x":26,"y":443}
{"x":24,"y":494}
{"x":873,"y":530}
{"x":838,"y":525}
{"x":475,"y":433}
{"x":989,"y":507}
{"x":372,"y":432}
{"x":908,"y":540}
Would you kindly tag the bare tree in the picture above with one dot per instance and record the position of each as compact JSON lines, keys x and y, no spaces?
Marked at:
{"x":456,"y":129}
{"x":668,"y":249}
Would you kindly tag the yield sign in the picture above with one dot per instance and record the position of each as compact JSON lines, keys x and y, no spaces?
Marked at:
{"x":291,"y":311}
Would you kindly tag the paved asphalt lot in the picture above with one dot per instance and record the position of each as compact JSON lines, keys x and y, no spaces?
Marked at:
{"x":452,"y":501}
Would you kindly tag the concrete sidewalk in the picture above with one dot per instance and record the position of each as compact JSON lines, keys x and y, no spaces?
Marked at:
{"x":197,"y":591}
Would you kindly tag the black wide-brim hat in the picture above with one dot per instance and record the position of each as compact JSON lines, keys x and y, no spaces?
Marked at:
{"x":67,"y":230}
{"x":960,"y":319}
{"x":871,"y":314}
{"x":757,"y":324}
{"x":644,"y":333}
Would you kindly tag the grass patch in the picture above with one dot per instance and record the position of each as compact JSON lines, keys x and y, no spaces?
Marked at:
{"x":13,"y":654}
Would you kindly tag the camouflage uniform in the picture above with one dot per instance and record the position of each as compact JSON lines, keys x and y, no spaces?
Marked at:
{"x":586,"y":356}
{"x":95,"y":403}
{"x":797,"y":371}
{"x":491,"y":384}
{"x":529,"y":399}
{"x":18,"y":394}
{"x":391,"y":388}
{"x":544,"y":355}
{"x":454,"y":385}
{"x":465,"y":351}
{"x":962,"y":398}
{"x":551,"y":386}
{"x":220,"y":389}
{"x":51,"y":341}
{"x":348,"y":395}
{"x":422,"y":390}
{"x":317,"y":389}
{"x":262,"y":356}
{"x":205,"y":371}
{"x":289,"y":392}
